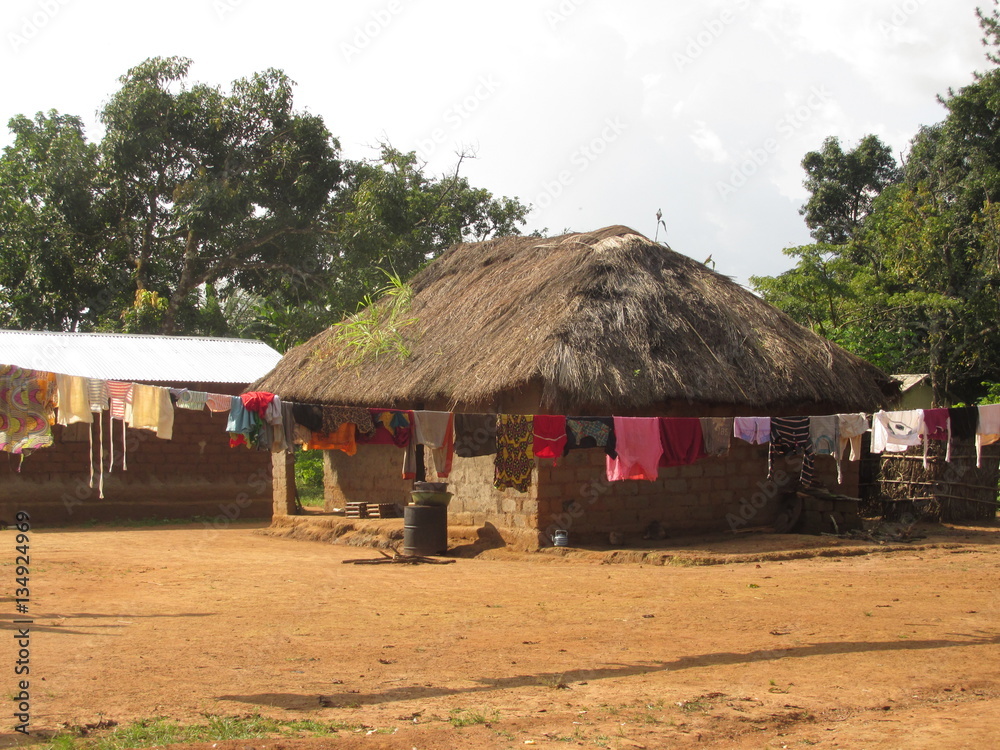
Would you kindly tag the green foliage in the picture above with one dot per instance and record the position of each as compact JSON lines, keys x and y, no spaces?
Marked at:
{"x":907,"y":272}
{"x":309,"y":469}
{"x":56,"y":270}
{"x":213,"y":186}
{"x":160,"y":731}
{"x":309,"y":477}
{"x":467,"y":717}
{"x":189,"y":186}
{"x":992,"y":394}
{"x":812,"y":292}
{"x":231,"y":206}
{"x":146,"y":313}
{"x":844,"y":185}
{"x":377,"y":328}
{"x":388,"y":214}
{"x":990,"y":24}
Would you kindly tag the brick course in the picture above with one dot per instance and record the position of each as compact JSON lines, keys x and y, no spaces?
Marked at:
{"x":195,"y":473}
{"x":574,"y":492}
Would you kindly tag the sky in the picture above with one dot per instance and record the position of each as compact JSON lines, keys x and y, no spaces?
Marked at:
{"x":593,"y":112}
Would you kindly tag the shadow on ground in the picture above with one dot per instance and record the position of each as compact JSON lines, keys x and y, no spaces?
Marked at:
{"x":314,"y":702}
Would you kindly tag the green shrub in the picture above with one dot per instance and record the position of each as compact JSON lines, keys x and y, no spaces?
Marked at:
{"x":309,"y":470}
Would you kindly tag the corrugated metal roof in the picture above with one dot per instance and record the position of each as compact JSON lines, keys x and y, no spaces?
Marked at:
{"x":131,"y":357}
{"x":908,"y":381}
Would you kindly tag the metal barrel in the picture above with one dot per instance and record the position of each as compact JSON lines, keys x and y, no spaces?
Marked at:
{"x":425,"y":530}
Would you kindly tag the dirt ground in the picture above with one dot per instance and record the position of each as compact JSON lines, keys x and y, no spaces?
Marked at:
{"x":883,"y":650}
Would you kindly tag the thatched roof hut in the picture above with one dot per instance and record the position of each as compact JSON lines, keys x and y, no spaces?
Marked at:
{"x":598,"y":322}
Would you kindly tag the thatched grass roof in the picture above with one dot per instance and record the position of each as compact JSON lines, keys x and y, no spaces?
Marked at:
{"x":608,"y":321}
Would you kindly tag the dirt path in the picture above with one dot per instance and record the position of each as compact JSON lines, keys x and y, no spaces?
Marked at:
{"x":879,"y":651}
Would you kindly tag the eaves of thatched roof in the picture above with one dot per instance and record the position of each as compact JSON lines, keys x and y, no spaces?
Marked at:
{"x":608,"y":321}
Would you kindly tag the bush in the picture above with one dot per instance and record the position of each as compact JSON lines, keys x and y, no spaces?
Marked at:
{"x":309,"y":470}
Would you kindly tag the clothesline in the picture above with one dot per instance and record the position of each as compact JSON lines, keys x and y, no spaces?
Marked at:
{"x":636,"y":447}
{"x":33,"y":401}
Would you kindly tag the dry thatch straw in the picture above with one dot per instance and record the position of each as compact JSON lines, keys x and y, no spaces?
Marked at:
{"x":602,"y":322}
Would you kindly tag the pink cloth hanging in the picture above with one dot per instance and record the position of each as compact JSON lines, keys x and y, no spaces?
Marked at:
{"x":639,"y":449}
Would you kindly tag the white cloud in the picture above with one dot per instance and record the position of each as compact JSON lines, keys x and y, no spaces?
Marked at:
{"x":709,"y":144}
{"x":754,"y":64}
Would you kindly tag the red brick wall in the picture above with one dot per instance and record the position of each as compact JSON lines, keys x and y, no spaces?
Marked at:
{"x":194,"y":474}
{"x":714,"y":494}
{"x":373,"y":475}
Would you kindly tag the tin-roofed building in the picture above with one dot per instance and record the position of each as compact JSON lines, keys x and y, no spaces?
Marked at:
{"x":195,"y":473}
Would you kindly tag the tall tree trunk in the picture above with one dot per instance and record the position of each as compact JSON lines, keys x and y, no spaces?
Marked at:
{"x":185,"y":285}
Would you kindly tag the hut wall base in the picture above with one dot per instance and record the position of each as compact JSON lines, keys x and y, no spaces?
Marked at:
{"x":194,"y":474}
{"x":283,"y":483}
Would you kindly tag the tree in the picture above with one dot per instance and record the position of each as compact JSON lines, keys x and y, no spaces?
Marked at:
{"x":190,"y":186}
{"x":938,"y":286}
{"x":56,"y":270}
{"x":814,"y":292}
{"x":907,"y":272}
{"x":211,"y":211}
{"x":921,"y":297}
{"x":392,"y":216}
{"x":990,"y":24}
{"x":843,"y":186}
{"x":833,"y":278}
{"x":204,"y":186}
{"x":389,"y":217}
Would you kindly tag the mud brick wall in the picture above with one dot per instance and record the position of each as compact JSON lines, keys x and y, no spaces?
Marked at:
{"x":194,"y":474}
{"x":575,"y":495}
{"x":477,"y":501}
{"x":828,"y":515}
{"x":373,"y":475}
{"x":714,"y":494}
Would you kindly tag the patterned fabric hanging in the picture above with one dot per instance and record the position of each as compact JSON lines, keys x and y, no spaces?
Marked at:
{"x":334,"y":416}
{"x":392,"y":427}
{"x":26,"y":409}
{"x":790,"y":436}
{"x":515,"y":459}
{"x":591,"y":432}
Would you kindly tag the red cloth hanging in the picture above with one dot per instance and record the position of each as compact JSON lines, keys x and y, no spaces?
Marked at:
{"x":682,"y":440}
{"x":936,"y":424}
{"x":257,"y":402}
{"x":549,"y":435}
